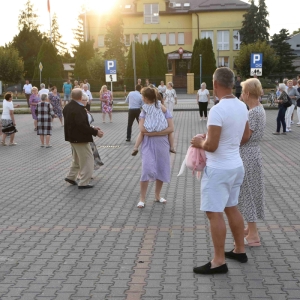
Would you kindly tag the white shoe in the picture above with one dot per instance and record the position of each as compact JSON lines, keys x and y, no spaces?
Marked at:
{"x":141,"y":204}
{"x":201,"y":119}
{"x":161,"y":200}
{"x":288,"y":130}
{"x":292,"y":122}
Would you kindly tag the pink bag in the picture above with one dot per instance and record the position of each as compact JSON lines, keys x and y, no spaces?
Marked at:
{"x":195,"y":160}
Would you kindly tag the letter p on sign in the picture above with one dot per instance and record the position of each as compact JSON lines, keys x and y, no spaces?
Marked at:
{"x":256,"y":58}
{"x":110,"y":64}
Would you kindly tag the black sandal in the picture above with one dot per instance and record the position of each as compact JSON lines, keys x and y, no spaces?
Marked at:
{"x":135,"y":152}
{"x":207,"y":270}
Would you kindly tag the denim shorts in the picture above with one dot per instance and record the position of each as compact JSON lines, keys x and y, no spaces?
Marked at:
{"x":67,"y":97}
{"x":220,"y":188}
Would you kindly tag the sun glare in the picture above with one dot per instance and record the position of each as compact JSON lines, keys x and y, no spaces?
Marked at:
{"x":102,"y":6}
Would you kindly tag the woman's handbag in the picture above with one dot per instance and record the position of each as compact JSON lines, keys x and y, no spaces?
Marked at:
{"x":288,"y":103}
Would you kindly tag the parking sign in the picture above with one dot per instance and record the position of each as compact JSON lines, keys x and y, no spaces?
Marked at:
{"x":256,"y":64}
{"x":110,"y":67}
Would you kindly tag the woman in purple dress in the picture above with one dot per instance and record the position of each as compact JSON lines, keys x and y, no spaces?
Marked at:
{"x":56,"y":102}
{"x":155,"y":153}
{"x":33,"y":101}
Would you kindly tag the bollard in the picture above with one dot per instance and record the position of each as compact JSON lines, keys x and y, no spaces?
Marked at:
{"x":16,"y":92}
{"x":125,"y":91}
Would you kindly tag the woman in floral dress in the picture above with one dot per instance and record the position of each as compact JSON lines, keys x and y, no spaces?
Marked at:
{"x":56,"y":102}
{"x":106,"y":98}
{"x":33,"y":101}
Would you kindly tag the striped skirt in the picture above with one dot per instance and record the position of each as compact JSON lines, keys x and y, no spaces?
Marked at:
{"x":8,"y":127}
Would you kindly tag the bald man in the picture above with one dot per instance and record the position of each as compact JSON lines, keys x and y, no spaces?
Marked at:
{"x":79,"y":133}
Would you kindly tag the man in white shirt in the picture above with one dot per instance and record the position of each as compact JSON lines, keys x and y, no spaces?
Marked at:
{"x":43,"y":90}
{"x":27,"y":90}
{"x":228,"y":128}
{"x":89,"y":94}
{"x":88,"y":85}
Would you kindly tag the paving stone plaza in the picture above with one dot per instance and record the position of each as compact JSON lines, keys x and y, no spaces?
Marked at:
{"x":58,"y":242}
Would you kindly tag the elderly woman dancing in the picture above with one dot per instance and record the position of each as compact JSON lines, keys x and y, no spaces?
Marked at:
{"x":252,"y":193}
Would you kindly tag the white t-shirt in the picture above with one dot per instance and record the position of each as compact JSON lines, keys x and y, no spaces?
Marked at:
{"x":89,"y":94}
{"x":43,"y":91}
{"x":7,"y":107}
{"x":203,"y":95}
{"x":27,"y":88}
{"x":232,"y":116}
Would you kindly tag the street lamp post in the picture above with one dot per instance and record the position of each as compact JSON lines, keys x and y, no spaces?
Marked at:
{"x":200,"y":69}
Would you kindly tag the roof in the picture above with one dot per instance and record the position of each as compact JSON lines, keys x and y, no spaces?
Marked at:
{"x":129,"y":6}
{"x":68,"y":67}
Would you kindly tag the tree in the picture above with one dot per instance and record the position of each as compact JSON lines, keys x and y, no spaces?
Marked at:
{"x":28,"y":42}
{"x":270,"y":58}
{"x":57,"y":37}
{"x":296,"y":31}
{"x":262,"y":22}
{"x":248,"y":30}
{"x":195,"y":61}
{"x":96,"y":67}
{"x":52,"y":65}
{"x":284,"y":51}
{"x":79,"y":31}
{"x":85,"y":52}
{"x":114,"y":40}
{"x":28,"y":17}
{"x":11,"y":65}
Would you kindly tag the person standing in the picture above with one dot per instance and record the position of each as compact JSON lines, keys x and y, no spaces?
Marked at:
{"x":293,"y":94}
{"x":281,"y":100}
{"x":147,"y":83}
{"x":170,"y":98}
{"x":56,"y":102}
{"x":162,"y":89}
{"x":135,"y":101}
{"x":79,"y":133}
{"x":238,"y":87}
{"x":67,"y":89}
{"x":27,"y":91}
{"x":298,"y":104}
{"x":76,"y":85}
{"x":155,"y":153}
{"x":203,"y":99}
{"x":43,"y":90}
{"x":88,"y":85}
{"x":44,"y":113}
{"x":139,"y":81}
{"x":89,"y":94}
{"x":33,"y":101}
{"x":228,"y":127}
{"x":252,"y":193}
{"x":106,"y":97}
{"x":8,"y":120}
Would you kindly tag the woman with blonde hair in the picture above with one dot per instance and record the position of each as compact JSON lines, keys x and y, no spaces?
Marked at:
{"x":76,"y":85}
{"x":203,"y":99}
{"x":106,"y":98}
{"x":252,"y":192}
{"x":33,"y":101}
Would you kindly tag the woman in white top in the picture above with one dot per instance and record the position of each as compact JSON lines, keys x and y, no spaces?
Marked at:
{"x":162,"y":89}
{"x":170,"y":98}
{"x":203,"y":98}
{"x":8,"y":120}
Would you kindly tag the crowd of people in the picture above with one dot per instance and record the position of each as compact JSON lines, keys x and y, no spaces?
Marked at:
{"x":232,"y":181}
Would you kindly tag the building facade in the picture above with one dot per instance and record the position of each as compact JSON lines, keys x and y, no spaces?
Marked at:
{"x":294,"y":41}
{"x":177,"y":23}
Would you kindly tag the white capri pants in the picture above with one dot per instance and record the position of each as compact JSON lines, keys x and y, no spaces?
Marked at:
{"x":170,"y":106}
{"x":288,"y":115}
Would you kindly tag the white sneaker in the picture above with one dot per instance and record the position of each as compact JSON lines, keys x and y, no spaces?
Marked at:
{"x":292,"y":122}
{"x":201,"y":119}
{"x":288,"y":130}
{"x":298,"y":123}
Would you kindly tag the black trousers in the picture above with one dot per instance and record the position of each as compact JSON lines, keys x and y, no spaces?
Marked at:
{"x":88,"y":107}
{"x":203,"y":108}
{"x":132,"y":115}
{"x":238,"y":95}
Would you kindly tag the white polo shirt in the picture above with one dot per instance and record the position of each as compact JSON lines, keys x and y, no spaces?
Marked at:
{"x":27,"y":88}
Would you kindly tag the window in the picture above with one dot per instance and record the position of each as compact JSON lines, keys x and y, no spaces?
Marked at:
{"x":236,"y":40}
{"x":127,"y":39}
{"x":127,"y":6}
{"x":223,"y":40}
{"x":207,"y":34}
{"x":145,"y":38}
{"x":186,"y":4}
{"x":171,"y":38}
{"x":163,"y":39}
{"x":101,"y":41}
{"x":223,"y":62}
{"x":153,"y":36}
{"x":170,"y":65}
{"x":180,"y":38}
{"x":151,"y":13}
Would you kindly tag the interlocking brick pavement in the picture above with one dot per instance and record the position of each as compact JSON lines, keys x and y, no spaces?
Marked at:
{"x":58,"y":242}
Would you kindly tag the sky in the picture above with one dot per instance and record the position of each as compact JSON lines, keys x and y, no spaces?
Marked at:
{"x":68,"y":10}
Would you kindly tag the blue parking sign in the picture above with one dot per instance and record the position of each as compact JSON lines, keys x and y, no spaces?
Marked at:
{"x":256,"y":64}
{"x":110,"y":67}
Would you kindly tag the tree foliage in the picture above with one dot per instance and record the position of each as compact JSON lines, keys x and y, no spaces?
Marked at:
{"x":114,"y":40}
{"x":255,"y":24}
{"x":79,"y":31}
{"x":52,"y":64}
{"x":28,"y":17}
{"x":284,"y":51}
{"x":84,"y":53}
{"x":96,"y":67}
{"x":28,"y":42}
{"x":57,"y":37}
{"x":296,"y":31}
{"x":270,"y":58}
{"x":11,"y":65}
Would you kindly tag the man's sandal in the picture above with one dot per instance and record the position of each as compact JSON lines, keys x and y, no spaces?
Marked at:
{"x":135,"y":152}
{"x":161,"y":200}
{"x":141,"y":204}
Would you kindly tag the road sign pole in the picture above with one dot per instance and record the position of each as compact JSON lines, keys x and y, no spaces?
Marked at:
{"x":111,"y":87}
{"x":133,"y":60}
{"x":200,"y":70}
{"x":40,"y":77}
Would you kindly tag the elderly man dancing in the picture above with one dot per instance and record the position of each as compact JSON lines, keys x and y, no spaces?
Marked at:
{"x":228,"y":128}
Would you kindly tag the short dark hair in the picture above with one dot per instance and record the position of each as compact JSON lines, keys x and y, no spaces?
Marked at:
{"x":8,"y":95}
{"x":53,"y":88}
{"x":138,"y":87}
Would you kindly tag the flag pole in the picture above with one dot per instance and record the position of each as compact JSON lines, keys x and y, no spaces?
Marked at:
{"x":50,"y":20}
